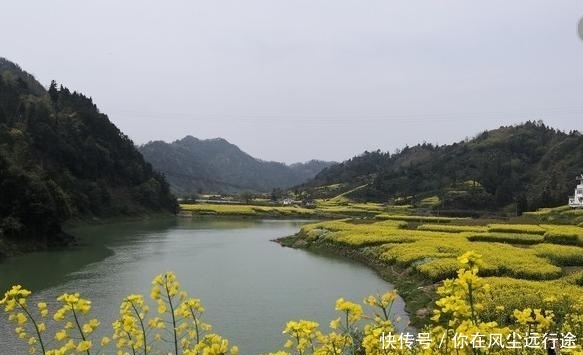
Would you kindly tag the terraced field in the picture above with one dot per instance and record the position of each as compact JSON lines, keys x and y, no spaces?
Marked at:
{"x":524,"y":263}
{"x":323,"y":209}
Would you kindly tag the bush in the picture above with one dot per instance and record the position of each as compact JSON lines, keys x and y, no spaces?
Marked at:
{"x":563,"y":234}
{"x":526,"y":239}
{"x":410,"y":218}
{"x":451,"y":228}
{"x":561,"y":255}
{"x":516,"y":228}
{"x":564,"y":239}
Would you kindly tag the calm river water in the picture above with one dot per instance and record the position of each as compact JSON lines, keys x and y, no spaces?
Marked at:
{"x":249,"y":285}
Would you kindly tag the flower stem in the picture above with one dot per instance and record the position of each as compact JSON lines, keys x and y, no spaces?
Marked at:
{"x":40,"y":340}
{"x":79,"y":326}
{"x":141,"y":325}
{"x":172,"y":314}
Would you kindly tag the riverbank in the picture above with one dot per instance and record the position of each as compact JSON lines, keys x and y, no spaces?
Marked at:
{"x":65,"y":238}
{"x":524,"y":264}
{"x":74,"y":223}
{"x":10,"y":248}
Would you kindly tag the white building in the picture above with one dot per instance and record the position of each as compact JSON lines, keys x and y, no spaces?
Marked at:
{"x":576,"y":201}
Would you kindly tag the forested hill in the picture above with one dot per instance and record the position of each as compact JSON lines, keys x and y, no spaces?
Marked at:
{"x":61,"y":158}
{"x":193,"y":165}
{"x":531,"y":165}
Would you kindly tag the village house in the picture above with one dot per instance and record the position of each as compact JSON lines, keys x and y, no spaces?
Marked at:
{"x":576,"y":201}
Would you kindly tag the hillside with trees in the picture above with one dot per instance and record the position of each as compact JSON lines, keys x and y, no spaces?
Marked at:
{"x":520,"y":167}
{"x":193,"y":166}
{"x":60,"y":158}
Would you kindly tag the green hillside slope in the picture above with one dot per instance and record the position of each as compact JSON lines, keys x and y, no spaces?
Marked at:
{"x":529,"y":165}
{"x":214,"y":165}
{"x":61,"y":158}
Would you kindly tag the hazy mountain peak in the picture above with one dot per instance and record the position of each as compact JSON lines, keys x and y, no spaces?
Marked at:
{"x":214,"y":165}
{"x":188,"y":139}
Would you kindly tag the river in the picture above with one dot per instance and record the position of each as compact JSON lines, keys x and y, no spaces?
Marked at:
{"x":249,"y":285}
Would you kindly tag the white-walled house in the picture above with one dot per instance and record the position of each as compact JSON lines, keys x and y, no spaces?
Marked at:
{"x":576,"y":201}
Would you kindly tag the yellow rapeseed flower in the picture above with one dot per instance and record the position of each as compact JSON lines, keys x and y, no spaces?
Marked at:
{"x":84,"y":345}
{"x":60,"y":335}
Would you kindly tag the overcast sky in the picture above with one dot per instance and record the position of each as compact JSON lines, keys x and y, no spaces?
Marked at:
{"x":301,"y":79}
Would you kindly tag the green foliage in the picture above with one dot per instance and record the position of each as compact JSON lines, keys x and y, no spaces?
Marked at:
{"x":559,"y":215}
{"x":561,"y":255}
{"x":561,"y":239}
{"x":516,"y":228}
{"x":61,"y":158}
{"x":562,"y":234}
{"x":430,"y":201}
{"x":526,"y":166}
{"x":452,"y":228}
{"x":411,"y":218}
{"x":509,"y":238}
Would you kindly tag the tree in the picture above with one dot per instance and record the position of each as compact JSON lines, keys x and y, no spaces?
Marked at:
{"x":246,"y":196}
{"x":53,"y":92}
{"x":276,"y":194}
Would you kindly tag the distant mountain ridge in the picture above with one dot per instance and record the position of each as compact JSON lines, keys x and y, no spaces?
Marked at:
{"x":519,"y":167}
{"x":193,"y":165}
